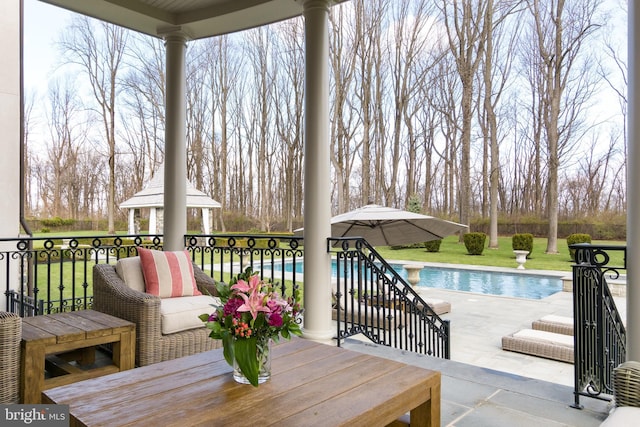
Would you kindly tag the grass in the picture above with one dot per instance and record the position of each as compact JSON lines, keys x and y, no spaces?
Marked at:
{"x":453,"y":252}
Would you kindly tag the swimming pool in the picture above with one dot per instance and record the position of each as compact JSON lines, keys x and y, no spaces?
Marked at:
{"x":487,"y":282}
{"x":500,"y":283}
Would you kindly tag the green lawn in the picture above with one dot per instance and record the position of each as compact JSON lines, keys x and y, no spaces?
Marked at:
{"x":453,"y":252}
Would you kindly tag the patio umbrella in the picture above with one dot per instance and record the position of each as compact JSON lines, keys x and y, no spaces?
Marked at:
{"x":384,"y":226}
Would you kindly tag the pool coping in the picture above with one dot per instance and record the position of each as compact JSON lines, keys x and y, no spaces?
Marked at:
{"x":514,"y":270}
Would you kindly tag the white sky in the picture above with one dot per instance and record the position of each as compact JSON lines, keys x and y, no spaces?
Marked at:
{"x":42,"y":24}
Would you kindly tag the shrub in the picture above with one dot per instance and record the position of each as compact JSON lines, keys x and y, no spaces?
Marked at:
{"x":56,"y":222}
{"x":474,"y":242}
{"x":433,"y":245}
{"x":522,"y":242}
{"x":572,"y":239}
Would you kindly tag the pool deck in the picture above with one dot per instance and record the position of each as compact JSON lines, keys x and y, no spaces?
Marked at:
{"x":483,"y":385}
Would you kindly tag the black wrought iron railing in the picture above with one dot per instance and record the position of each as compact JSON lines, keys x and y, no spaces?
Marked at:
{"x":599,"y":332}
{"x":372,"y":299}
{"x":49,"y":275}
{"x":275,"y":258}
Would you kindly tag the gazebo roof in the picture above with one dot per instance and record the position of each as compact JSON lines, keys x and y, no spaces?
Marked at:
{"x":152,"y":196}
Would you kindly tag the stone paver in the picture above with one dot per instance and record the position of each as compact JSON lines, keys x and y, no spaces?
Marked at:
{"x":483,"y":385}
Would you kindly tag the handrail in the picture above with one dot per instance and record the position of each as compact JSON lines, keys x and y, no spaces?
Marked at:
{"x":372,"y":299}
{"x":599,"y":332}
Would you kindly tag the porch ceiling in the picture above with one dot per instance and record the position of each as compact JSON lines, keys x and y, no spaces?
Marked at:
{"x":197,"y":18}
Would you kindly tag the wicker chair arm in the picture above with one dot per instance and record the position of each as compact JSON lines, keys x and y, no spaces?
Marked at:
{"x":117,"y":293}
{"x":10,"y":336}
{"x":111,"y":295}
{"x":626,"y":384}
{"x":205,"y":283}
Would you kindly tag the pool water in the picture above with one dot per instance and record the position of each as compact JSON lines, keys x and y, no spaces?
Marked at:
{"x":487,"y":282}
{"x":479,"y":281}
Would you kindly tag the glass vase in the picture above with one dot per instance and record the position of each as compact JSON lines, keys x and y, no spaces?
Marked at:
{"x":263,"y":354}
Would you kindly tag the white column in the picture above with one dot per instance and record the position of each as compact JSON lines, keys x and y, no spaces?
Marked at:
{"x":633,"y":183}
{"x":10,"y":120}
{"x":153,"y":221}
{"x":206,"y":221}
{"x":175,"y":164}
{"x":132,"y":222}
{"x":317,"y":195}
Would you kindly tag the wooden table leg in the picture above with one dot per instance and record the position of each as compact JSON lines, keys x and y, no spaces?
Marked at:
{"x":32,"y":375}
{"x":124,"y":351}
{"x":428,"y":414}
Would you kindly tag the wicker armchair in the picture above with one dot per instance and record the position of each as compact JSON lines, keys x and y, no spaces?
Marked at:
{"x":626,"y":384}
{"x":111,"y":295}
{"x":626,"y":395}
{"x":10,"y":336}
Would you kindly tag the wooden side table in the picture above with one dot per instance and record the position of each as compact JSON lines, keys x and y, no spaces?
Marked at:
{"x":55,"y":340}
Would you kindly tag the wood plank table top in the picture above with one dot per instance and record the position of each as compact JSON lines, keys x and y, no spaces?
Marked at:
{"x":312,"y":384}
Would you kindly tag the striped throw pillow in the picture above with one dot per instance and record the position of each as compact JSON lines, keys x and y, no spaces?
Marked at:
{"x":167,"y":274}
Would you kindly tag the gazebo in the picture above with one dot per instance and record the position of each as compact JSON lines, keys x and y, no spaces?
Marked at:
{"x":152,"y":197}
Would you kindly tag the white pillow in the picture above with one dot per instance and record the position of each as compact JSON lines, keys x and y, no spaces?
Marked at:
{"x":130,"y":271}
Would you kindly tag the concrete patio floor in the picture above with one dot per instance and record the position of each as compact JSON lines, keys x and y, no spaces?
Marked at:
{"x":483,"y":385}
{"x":479,"y":397}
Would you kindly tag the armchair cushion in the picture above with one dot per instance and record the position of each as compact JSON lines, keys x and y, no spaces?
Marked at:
{"x":181,"y":314}
{"x":168,"y":274}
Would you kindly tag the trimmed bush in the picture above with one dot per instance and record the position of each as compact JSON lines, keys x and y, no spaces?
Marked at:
{"x":474,"y":242}
{"x":56,"y":222}
{"x":572,"y":239}
{"x":522,"y":242}
{"x":433,"y":245}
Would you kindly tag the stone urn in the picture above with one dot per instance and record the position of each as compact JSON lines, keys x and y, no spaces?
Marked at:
{"x":413,"y":273}
{"x":521,"y":258}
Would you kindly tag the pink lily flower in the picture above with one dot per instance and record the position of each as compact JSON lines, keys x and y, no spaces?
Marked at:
{"x":251,"y":287}
{"x":253,"y":304}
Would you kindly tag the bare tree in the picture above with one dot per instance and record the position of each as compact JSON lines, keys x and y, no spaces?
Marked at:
{"x":494,"y":79}
{"x":367,"y":38}
{"x":560,"y":29}
{"x":411,"y":68}
{"x":289,"y":119}
{"x":142,"y":118}
{"x":224,"y":67}
{"x":464,"y":22}
{"x":99,"y":55}
{"x":343,"y":118}
{"x":29,"y":103}
{"x":446,"y":92}
{"x":66,"y":139}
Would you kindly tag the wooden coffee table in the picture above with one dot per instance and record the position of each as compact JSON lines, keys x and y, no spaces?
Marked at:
{"x":64,"y":344}
{"x":311,"y":385}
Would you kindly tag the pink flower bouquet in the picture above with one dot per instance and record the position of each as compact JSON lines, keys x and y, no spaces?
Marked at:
{"x":252,"y":313}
